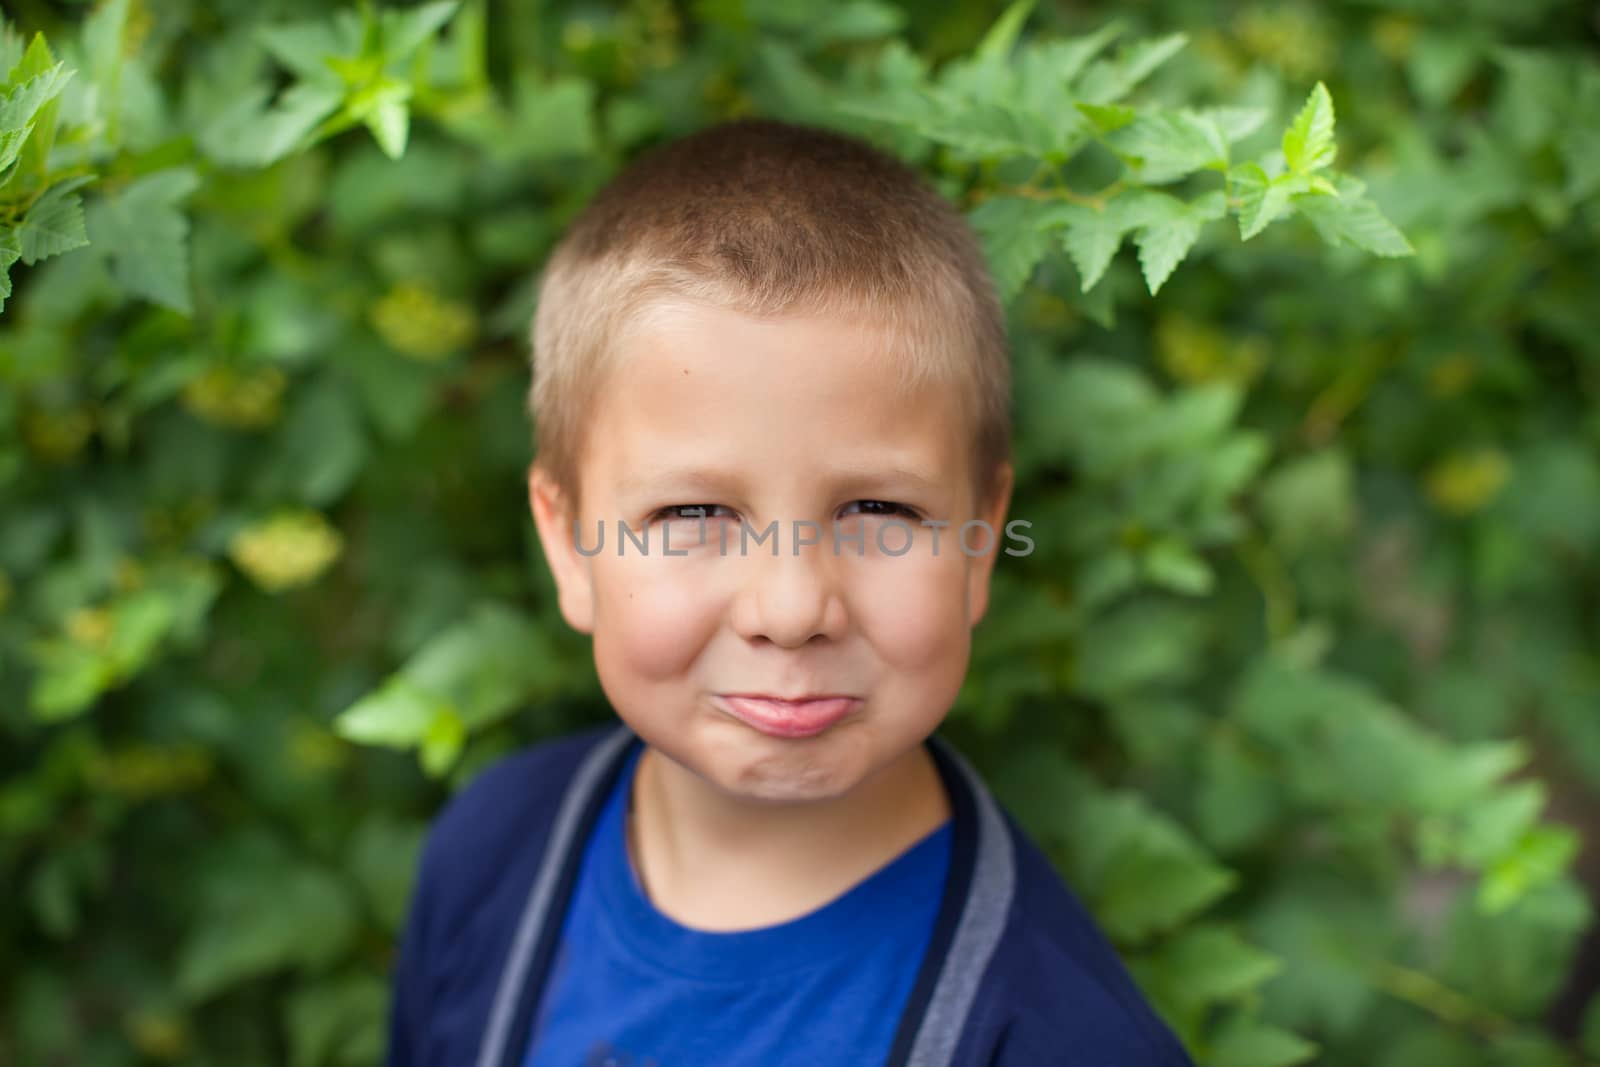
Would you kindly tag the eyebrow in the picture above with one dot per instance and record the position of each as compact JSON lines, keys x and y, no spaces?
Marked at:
{"x":713,"y":479}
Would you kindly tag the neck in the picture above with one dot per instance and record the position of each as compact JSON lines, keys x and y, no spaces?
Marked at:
{"x":714,"y":862}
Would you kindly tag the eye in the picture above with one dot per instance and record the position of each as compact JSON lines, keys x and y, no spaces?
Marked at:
{"x":692,"y":512}
{"x":886,"y":507}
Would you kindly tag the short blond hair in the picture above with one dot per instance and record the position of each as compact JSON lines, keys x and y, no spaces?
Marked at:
{"x":768,"y":218}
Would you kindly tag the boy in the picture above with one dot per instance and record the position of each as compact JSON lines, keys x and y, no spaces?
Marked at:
{"x":775,"y":332}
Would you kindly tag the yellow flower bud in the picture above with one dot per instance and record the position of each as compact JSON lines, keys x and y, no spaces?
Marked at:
{"x":415,"y":321}
{"x":1467,"y":481}
{"x":288,"y":549}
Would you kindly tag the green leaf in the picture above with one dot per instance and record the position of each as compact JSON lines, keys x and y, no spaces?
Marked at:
{"x":1109,"y":80}
{"x":269,"y":913}
{"x":1016,"y":234}
{"x":555,"y":118}
{"x":986,"y":129}
{"x":337,"y":1022}
{"x":319,"y":449}
{"x":1141,"y":871}
{"x":442,"y":741}
{"x":1236,"y":123}
{"x":1261,"y":199}
{"x":1091,"y":237}
{"x":1308,"y":142}
{"x":1310,"y":500}
{"x":20,"y":103}
{"x":1543,"y":854}
{"x":1250,"y":1043}
{"x":383,"y":857}
{"x":1210,"y":963}
{"x":1066,"y":57}
{"x":461,"y":680}
{"x":54,"y":224}
{"x":10,"y":252}
{"x":248,"y":133}
{"x":1108,"y":117}
{"x":1351,"y":218}
{"x":1164,"y":146}
{"x":385,"y":113}
{"x":1175,"y":566}
{"x":1170,"y":232}
{"x":404,"y":31}
{"x":306,"y":46}
{"x":398,"y":715}
{"x":36,"y":151}
{"x":147,"y":237}
{"x":997,"y":42}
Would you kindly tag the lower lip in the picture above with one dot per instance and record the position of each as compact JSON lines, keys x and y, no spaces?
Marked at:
{"x":782,"y":718}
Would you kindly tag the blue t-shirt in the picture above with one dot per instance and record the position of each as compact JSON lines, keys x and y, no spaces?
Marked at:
{"x":633,"y":988}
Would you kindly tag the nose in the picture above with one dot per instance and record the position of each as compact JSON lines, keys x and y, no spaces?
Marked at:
{"x":792,"y":597}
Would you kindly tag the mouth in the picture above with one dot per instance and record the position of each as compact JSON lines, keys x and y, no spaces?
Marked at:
{"x":777,"y":717}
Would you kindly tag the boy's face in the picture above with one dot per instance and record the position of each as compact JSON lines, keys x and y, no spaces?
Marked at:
{"x":789,"y":420}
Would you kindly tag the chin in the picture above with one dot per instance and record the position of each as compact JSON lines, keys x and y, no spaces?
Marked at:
{"x":767,"y":770}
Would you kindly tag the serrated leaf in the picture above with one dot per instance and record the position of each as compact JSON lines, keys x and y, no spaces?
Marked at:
{"x":1351,"y":218}
{"x":1164,"y":146}
{"x":20,"y":103}
{"x":306,"y":46}
{"x":1261,"y":199}
{"x":389,"y":121}
{"x":1308,"y":142}
{"x":998,"y":41}
{"x":1070,"y":55}
{"x":147,"y":236}
{"x":1236,"y":123}
{"x":36,"y":150}
{"x":1162,"y":248}
{"x":1016,"y":234}
{"x":1108,"y":117}
{"x":54,"y":224}
{"x":10,"y":251}
{"x":11,"y":145}
{"x":984,"y":129}
{"x":291,"y":120}
{"x":1091,"y":238}
{"x":1109,"y":80}
{"x":1168,"y":229}
{"x":104,"y":33}
{"x":405,"y":30}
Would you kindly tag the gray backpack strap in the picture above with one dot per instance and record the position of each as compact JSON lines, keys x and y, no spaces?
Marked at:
{"x":536,"y":913}
{"x":977,"y":934}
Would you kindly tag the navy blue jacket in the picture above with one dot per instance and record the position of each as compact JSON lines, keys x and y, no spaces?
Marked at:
{"x":1016,"y":974}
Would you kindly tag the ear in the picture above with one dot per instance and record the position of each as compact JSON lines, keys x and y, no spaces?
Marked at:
{"x":981,"y":567}
{"x":552,"y":515}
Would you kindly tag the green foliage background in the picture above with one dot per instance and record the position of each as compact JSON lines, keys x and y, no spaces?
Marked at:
{"x":1300,"y":686}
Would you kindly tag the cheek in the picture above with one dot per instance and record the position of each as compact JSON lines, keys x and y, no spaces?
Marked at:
{"x":913,"y":611}
{"x":652,"y":618}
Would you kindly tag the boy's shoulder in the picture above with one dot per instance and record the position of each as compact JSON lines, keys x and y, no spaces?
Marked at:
{"x":502,"y":811}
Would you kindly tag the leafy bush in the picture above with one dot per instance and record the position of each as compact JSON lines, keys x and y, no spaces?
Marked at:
{"x":1299,"y":686}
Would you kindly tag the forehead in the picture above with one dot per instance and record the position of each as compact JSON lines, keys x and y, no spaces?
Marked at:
{"x":700,"y":385}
